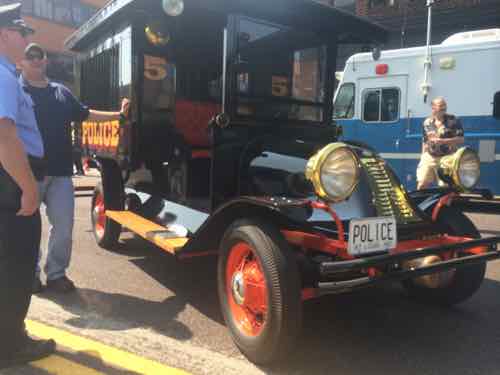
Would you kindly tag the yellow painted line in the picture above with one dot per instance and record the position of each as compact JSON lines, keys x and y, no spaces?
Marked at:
{"x":109,"y":355}
{"x":57,"y":365}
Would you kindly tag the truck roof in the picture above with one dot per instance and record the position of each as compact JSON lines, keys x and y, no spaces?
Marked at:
{"x":465,"y":41}
{"x":347,"y":27}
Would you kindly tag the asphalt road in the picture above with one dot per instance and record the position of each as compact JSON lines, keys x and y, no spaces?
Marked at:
{"x":141,"y":299}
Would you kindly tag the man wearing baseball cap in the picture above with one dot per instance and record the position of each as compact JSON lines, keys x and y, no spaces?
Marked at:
{"x":55,"y":109}
{"x":21,"y":166}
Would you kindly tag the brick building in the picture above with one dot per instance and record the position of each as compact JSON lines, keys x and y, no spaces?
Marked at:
{"x":54,"y":21}
{"x":407,"y":19}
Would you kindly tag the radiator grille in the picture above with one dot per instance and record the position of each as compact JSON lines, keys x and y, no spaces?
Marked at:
{"x":389,"y":197}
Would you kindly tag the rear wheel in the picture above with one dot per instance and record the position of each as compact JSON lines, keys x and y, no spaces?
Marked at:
{"x":106,"y":231}
{"x":259,"y":290}
{"x":465,"y":281}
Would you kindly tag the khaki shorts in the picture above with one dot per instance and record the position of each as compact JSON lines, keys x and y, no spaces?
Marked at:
{"x":427,"y":170}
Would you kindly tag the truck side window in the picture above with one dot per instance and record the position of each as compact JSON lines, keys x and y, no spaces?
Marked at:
{"x":496,"y":105}
{"x":344,"y":102}
{"x":381,"y":105}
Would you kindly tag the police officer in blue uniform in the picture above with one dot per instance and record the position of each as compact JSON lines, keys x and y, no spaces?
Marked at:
{"x":21,"y":165}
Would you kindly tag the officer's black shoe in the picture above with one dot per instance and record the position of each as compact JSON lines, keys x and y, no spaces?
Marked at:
{"x":32,"y":350}
{"x":37,"y":286}
{"x":61,"y":285}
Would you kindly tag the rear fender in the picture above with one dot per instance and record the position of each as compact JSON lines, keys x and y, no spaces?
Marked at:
{"x":112,"y":183}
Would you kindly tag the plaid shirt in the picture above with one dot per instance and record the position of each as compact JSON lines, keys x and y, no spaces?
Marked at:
{"x":452,"y":128}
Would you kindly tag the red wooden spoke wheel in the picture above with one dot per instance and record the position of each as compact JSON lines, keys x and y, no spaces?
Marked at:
{"x":99,"y":214}
{"x":246,"y":289}
{"x":106,"y":231}
{"x":259,"y":290}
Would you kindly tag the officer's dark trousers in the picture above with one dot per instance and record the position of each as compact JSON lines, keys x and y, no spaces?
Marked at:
{"x":19,"y":246}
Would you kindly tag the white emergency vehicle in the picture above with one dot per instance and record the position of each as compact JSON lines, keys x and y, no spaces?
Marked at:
{"x":383,"y":98}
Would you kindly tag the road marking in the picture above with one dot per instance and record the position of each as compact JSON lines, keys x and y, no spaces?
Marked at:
{"x":109,"y":355}
{"x":61,"y":366}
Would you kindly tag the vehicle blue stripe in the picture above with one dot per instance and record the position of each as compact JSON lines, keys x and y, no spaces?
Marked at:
{"x":404,"y":137}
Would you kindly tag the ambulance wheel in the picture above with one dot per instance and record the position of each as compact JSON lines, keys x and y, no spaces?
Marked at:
{"x":259,"y":290}
{"x":106,"y":231}
{"x":465,"y":281}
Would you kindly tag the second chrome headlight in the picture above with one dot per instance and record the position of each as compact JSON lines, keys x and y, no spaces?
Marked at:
{"x":462,"y":168}
{"x":334,"y":172}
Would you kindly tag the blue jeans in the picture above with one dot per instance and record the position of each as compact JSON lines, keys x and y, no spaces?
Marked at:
{"x":57,"y":194}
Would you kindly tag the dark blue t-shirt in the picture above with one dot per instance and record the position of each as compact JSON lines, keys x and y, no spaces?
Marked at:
{"x":55,"y":109}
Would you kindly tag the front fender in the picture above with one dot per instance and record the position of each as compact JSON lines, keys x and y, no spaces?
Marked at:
{"x":481,"y":200}
{"x":282,"y":212}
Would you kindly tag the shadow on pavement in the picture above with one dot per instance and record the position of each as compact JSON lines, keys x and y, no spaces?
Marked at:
{"x":380,"y":331}
{"x":111,"y":311}
{"x":193,"y":280}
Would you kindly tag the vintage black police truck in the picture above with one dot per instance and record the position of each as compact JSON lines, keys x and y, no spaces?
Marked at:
{"x":230,"y":150}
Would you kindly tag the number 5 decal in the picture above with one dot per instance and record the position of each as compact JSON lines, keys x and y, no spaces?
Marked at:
{"x":155,"y":68}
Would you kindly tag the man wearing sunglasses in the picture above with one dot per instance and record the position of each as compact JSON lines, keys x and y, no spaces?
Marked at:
{"x":55,"y":109}
{"x":21,"y":165}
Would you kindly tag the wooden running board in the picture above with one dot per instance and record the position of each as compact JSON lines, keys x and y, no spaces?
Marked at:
{"x":148,"y":230}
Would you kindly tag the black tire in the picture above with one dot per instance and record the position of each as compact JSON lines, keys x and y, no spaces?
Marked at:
{"x":282,"y":323}
{"x":466,"y":280}
{"x":106,"y":231}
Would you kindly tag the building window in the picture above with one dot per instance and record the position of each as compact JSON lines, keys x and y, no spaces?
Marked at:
{"x":62,"y":12}
{"x":82,"y":13}
{"x":381,"y":105}
{"x":69,"y":12}
{"x":43,"y":8}
{"x":78,"y":14}
{"x":27,"y":6}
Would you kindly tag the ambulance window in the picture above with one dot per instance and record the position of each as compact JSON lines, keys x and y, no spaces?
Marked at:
{"x":371,"y":105}
{"x":344,"y":102}
{"x":381,"y":105}
{"x":496,"y":105}
{"x":390,"y":105}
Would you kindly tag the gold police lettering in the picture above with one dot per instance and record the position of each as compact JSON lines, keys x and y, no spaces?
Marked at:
{"x":101,"y":135}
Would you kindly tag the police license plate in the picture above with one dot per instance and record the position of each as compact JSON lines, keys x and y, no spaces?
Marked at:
{"x":372,"y":235}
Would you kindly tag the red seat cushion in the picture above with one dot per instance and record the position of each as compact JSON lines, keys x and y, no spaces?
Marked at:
{"x":192,"y":120}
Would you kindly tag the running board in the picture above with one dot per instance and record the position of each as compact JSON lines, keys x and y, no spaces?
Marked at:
{"x":150,"y":231}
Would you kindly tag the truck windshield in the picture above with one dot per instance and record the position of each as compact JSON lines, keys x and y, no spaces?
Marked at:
{"x":280,"y":73}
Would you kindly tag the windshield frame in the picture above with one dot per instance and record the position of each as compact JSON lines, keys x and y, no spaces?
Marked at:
{"x":329,"y":47}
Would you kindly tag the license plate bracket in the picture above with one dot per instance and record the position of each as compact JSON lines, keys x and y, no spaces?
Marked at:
{"x":372,"y":235}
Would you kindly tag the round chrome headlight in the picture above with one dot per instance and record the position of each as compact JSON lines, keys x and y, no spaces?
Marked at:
{"x":463,"y":168}
{"x":468,"y":169}
{"x":334,"y":172}
{"x":173,"y":8}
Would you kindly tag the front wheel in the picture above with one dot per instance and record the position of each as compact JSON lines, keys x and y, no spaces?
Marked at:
{"x":465,"y":281}
{"x":259,"y":290}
